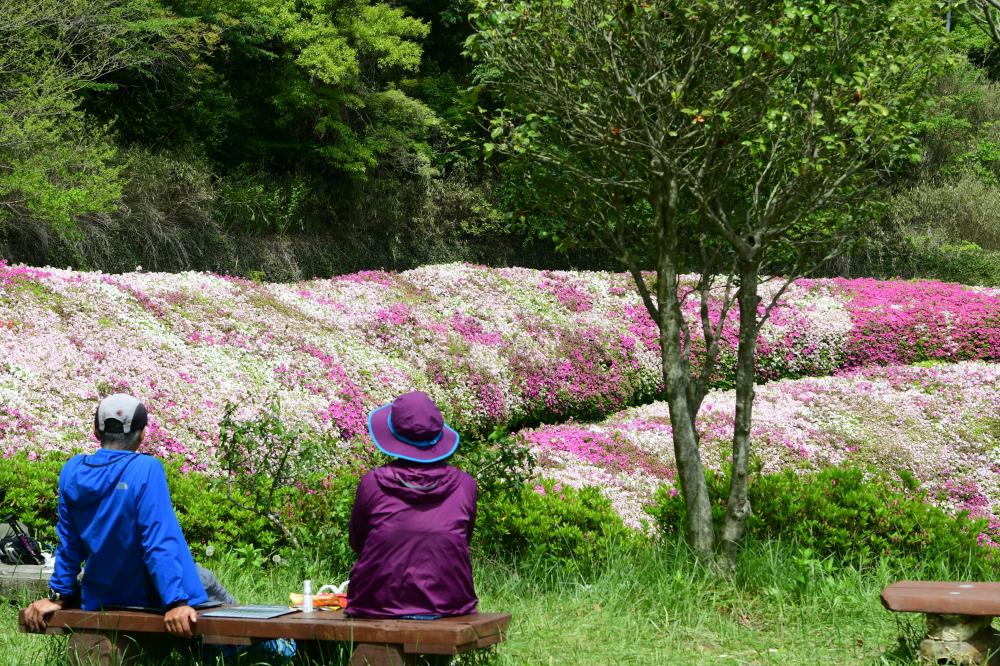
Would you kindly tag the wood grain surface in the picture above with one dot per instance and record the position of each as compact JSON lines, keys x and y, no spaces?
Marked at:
{"x":959,"y":598}
{"x":444,"y":636}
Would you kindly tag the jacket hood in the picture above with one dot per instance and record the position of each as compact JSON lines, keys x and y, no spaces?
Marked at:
{"x":96,"y":475}
{"x":418,"y":483}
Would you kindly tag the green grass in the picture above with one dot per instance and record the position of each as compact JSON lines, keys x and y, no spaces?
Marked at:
{"x":651,"y":606}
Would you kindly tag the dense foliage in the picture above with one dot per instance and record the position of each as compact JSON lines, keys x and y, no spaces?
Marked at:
{"x":576,"y":529}
{"x":855,"y":518}
{"x":293,"y":140}
{"x":842,"y":516}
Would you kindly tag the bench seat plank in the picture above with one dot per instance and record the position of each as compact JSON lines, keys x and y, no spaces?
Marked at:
{"x":953,"y":598}
{"x":444,"y":636}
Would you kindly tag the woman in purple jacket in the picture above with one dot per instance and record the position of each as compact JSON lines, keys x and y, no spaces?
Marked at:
{"x":412,"y":520}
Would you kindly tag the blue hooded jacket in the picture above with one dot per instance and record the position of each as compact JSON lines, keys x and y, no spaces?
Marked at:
{"x":115,"y":514}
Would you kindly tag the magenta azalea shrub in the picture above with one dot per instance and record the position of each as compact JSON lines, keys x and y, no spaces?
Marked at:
{"x":939,"y":423}
{"x":492,"y":346}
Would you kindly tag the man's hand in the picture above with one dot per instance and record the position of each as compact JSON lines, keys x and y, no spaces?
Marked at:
{"x":181,"y":620}
{"x":35,"y":616}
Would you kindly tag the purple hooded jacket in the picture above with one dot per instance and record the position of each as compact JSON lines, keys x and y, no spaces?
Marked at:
{"x":412,"y":524}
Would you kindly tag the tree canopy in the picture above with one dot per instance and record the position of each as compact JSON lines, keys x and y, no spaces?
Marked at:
{"x":243,"y":136}
{"x":753,"y":131}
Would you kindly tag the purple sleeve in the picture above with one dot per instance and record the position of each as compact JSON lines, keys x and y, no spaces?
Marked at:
{"x":472,"y":516}
{"x":358,"y":526}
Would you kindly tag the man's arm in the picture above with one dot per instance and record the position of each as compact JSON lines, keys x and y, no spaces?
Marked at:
{"x":161,"y":539}
{"x":69,"y":556}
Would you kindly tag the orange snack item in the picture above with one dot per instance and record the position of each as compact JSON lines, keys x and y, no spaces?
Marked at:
{"x":329,"y":600}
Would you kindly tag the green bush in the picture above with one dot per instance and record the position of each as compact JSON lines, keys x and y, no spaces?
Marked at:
{"x":563,"y":526}
{"x":31,"y":485}
{"x":208,"y":518}
{"x":890,"y":251}
{"x":520,"y":518}
{"x":965,"y":263}
{"x":320,"y":508}
{"x":516,"y":520}
{"x":258,"y":203}
{"x":967,"y":108}
{"x":849,"y":515}
{"x":963,"y":210}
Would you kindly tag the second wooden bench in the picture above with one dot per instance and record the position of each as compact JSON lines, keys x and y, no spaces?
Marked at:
{"x":959,"y":618}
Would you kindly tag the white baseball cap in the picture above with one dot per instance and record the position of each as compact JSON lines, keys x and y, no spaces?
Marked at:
{"x":120,"y":413}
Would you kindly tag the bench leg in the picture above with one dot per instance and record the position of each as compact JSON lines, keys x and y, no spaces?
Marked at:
{"x":374,"y":654}
{"x":960,"y":639}
{"x":85,"y":648}
{"x":94,"y":648}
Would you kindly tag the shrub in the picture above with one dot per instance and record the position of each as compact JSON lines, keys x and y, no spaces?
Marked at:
{"x":965,"y":263}
{"x":257,"y":202}
{"x":500,"y":463}
{"x":205,"y":514}
{"x":964,"y":210}
{"x":563,"y":526}
{"x":967,"y":109}
{"x":850,"y":515}
{"x":31,"y":484}
{"x":208,"y":518}
{"x":319,"y":514}
{"x":261,"y":459}
{"x":891,"y":251}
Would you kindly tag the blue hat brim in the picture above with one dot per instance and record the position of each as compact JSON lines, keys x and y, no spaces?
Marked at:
{"x":389,"y":444}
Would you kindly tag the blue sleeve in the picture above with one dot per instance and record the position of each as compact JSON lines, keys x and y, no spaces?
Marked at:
{"x":161,"y":536}
{"x":70,"y":553}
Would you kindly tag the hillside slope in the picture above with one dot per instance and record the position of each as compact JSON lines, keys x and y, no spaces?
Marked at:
{"x":493,"y":346}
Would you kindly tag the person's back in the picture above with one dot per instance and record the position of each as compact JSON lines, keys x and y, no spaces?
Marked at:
{"x":412,"y":524}
{"x":413,"y":519}
{"x":117,"y":504}
{"x":115,"y":515}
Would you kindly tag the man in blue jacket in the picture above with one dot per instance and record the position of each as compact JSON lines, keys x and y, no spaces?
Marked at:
{"x":115,"y":515}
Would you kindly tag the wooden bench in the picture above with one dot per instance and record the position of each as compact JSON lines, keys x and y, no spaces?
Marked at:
{"x":959,"y":619}
{"x":108,"y":637}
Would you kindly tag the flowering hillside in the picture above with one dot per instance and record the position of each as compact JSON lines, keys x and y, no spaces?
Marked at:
{"x":493,"y":346}
{"x":940,"y":423}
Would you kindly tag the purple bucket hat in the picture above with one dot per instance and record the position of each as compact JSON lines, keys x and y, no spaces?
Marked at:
{"x":411,"y":427}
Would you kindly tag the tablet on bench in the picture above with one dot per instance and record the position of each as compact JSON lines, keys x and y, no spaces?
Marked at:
{"x":251,"y":612}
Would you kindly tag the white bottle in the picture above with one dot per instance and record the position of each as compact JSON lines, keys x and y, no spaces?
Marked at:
{"x":307,"y":597}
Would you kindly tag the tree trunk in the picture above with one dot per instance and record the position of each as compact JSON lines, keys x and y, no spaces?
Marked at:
{"x":676,"y":375}
{"x":738,"y":506}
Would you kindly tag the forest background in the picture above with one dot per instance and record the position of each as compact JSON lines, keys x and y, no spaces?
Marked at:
{"x":281,"y":139}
